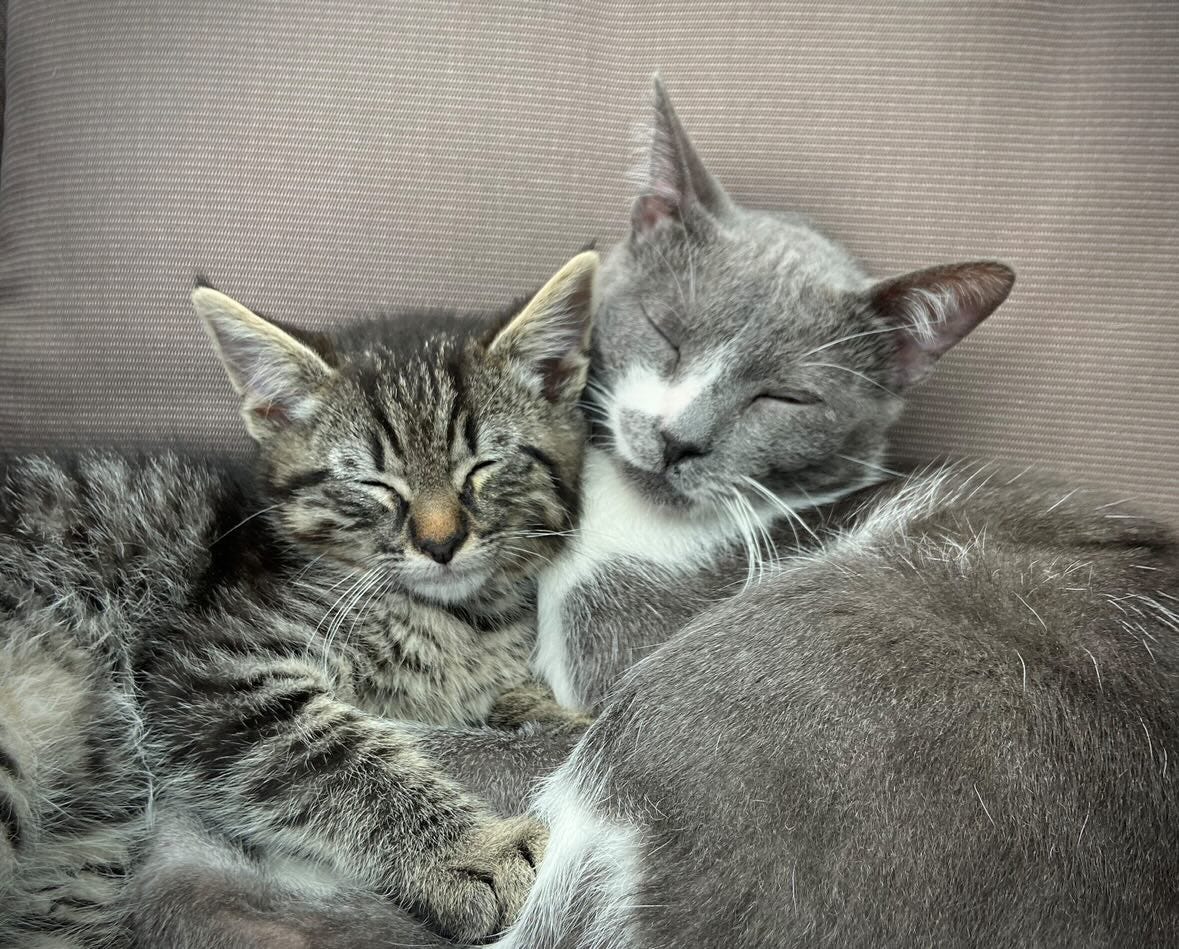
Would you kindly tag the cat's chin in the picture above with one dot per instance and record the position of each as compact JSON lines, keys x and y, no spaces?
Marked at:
{"x":655,"y":488}
{"x":447,"y":586}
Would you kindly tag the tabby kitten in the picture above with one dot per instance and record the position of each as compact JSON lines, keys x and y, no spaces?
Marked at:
{"x":242,"y":649}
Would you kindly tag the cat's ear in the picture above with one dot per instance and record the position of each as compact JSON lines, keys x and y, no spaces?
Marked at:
{"x":278,"y":377}
{"x":670,"y":176}
{"x":549,"y":338}
{"x":934,"y":309}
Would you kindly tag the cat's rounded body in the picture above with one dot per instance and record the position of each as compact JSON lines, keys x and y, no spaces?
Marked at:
{"x":840,"y":706}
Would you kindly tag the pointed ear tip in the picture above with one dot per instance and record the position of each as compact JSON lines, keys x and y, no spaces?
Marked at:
{"x":1002,"y":275}
{"x":203,"y":297}
{"x":585,"y":262}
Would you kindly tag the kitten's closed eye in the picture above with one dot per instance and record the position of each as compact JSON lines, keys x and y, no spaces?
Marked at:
{"x":467,"y":495}
{"x":387,"y":490}
{"x":379,"y":485}
{"x":789,"y":397}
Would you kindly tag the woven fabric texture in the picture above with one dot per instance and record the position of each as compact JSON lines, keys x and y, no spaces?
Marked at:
{"x":321,"y":160}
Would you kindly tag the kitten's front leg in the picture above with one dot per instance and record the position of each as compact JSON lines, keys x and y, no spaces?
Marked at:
{"x":269,"y":754}
{"x":533,"y":701}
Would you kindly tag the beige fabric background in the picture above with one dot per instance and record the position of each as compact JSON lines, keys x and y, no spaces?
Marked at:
{"x":320,"y":159}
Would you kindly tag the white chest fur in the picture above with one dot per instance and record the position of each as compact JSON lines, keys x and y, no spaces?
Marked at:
{"x":617,"y":523}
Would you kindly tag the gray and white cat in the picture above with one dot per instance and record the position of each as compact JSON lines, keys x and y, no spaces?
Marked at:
{"x":745,"y":370}
{"x":944,"y":719}
{"x":241,"y":654}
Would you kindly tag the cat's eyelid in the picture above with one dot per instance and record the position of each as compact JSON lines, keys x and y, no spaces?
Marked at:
{"x":790,"y":397}
{"x":387,"y":484}
{"x":479,"y":466}
{"x":659,"y":329}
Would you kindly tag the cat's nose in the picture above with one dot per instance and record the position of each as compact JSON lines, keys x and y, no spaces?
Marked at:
{"x":442,"y":551}
{"x":437,"y":526}
{"x":675,"y":451}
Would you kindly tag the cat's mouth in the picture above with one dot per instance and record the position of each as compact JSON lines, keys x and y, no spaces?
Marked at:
{"x":445,"y":583}
{"x":654,"y":486}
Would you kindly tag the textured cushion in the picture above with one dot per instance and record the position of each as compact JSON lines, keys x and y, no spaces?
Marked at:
{"x":322,"y":159}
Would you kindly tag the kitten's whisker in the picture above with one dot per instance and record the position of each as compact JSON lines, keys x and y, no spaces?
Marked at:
{"x":756,"y":569}
{"x":243,"y":522}
{"x":374,"y":597}
{"x":354,"y":600}
{"x":307,"y":566}
{"x":854,"y":372}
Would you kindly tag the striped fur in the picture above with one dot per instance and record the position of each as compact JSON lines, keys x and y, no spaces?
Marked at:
{"x":239,"y":650}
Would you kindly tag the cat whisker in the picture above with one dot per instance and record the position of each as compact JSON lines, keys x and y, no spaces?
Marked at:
{"x":844,"y":339}
{"x":746,"y":524}
{"x":243,"y":522}
{"x":854,"y":372}
{"x":872,"y":465}
{"x":782,"y":506}
{"x":374,"y":597}
{"x":361,"y":589}
{"x":674,"y":275}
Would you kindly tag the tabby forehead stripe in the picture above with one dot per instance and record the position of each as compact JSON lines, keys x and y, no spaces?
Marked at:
{"x":386,"y":426}
{"x":377,"y":447}
{"x":454,"y":373}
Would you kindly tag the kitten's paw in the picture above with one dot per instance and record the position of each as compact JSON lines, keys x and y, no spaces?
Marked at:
{"x":532,"y":702}
{"x":488,"y":876}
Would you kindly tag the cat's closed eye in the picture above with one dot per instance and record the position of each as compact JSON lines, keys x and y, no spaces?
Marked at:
{"x":789,"y":397}
{"x":389,"y":492}
{"x":661,"y":331}
{"x":468,"y":492}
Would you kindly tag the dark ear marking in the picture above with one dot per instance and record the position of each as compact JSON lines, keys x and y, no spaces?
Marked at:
{"x":303,"y":480}
{"x":566,"y":495}
{"x":470,"y":433}
{"x":936,"y":308}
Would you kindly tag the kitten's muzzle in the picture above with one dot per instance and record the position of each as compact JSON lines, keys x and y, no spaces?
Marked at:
{"x":438,"y":526}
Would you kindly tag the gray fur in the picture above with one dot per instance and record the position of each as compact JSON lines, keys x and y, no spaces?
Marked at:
{"x":945,"y":718}
{"x":239,"y":651}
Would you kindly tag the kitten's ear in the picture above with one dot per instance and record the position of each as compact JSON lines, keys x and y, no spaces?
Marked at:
{"x":278,"y":377}
{"x":549,"y":338}
{"x":670,"y":176}
{"x":935,"y":308}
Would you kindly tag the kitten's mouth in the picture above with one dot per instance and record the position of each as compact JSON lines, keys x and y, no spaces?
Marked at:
{"x":446,"y":583}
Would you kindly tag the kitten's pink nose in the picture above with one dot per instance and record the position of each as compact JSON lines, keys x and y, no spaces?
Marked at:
{"x":437,"y":526}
